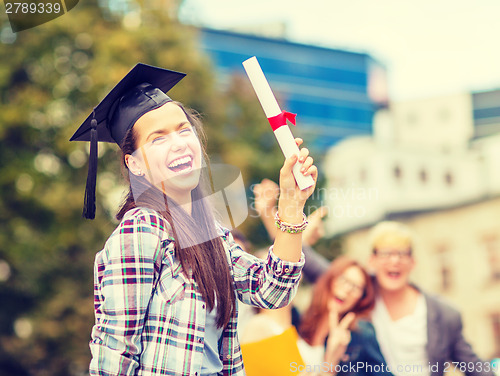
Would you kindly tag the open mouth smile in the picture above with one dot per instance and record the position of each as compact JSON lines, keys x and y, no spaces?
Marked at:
{"x":184,"y":163}
{"x":394,"y":275}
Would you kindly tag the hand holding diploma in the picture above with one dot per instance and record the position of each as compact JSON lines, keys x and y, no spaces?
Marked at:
{"x":292,"y":199}
{"x":288,"y":245}
{"x":277,"y":119}
{"x":297,"y":176}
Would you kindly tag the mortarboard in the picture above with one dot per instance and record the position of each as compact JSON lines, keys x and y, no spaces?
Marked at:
{"x":140,"y":91}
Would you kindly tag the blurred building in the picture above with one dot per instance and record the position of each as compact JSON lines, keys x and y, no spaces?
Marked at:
{"x":334,"y":92}
{"x":435,"y":165}
{"x":418,"y":159}
{"x":423,"y":155}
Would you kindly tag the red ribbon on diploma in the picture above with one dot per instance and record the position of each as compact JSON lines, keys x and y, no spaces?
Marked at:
{"x":280,"y":119}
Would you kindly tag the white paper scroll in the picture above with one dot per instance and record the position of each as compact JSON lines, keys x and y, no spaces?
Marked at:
{"x":271,"y":109}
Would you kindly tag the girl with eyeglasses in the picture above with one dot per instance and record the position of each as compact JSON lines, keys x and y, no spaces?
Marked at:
{"x":336,"y":325}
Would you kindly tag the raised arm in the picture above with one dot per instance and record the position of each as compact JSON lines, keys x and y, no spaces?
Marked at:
{"x":287,"y":244}
{"x":266,"y":195}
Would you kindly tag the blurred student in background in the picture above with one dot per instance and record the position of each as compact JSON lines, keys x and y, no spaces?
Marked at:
{"x":413,"y":328}
{"x":337,"y":325}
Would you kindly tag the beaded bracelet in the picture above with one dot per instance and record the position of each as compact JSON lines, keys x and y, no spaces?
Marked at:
{"x":290,"y":228}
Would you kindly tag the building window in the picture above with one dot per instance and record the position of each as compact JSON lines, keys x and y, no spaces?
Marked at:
{"x":448,"y":179}
{"x":492,"y":246}
{"x":397,"y":172}
{"x":423,"y":176}
{"x":444,"y":262}
{"x":495,"y":323}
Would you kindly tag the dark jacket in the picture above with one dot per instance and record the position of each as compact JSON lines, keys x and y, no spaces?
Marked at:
{"x":446,"y":343}
{"x":363,"y":354}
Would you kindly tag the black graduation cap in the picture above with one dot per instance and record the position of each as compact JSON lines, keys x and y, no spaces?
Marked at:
{"x":140,"y":91}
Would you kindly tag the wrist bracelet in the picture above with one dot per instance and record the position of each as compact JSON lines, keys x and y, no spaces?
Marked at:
{"x":289,"y":227}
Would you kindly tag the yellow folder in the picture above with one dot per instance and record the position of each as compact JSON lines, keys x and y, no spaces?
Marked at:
{"x":273,"y":356}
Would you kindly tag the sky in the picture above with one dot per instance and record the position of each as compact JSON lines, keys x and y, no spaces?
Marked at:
{"x":429,"y":47}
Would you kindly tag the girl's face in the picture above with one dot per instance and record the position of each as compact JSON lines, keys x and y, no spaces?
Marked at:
{"x":168,"y":151}
{"x":348,"y":288}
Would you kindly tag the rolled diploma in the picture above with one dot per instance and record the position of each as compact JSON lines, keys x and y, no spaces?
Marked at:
{"x":271,"y":108}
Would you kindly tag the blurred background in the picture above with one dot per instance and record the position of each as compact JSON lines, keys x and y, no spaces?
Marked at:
{"x":399,"y":103}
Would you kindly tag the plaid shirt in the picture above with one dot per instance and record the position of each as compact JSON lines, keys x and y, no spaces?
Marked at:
{"x":149,"y":323}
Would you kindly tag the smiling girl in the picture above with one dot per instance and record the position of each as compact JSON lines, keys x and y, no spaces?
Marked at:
{"x":169,"y":277}
{"x":337,"y":322}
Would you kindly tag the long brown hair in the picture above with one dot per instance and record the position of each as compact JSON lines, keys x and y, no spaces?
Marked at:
{"x":206,"y":262}
{"x":322,"y":292}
